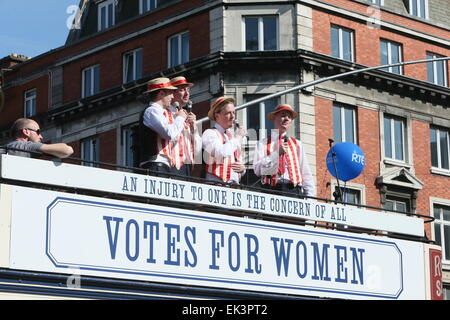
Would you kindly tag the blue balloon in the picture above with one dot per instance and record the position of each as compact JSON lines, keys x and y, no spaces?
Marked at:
{"x":349,"y":159}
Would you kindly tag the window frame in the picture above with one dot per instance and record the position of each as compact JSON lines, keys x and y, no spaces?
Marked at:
{"x":390,"y":43}
{"x":263,"y":120}
{"x":180,"y":55}
{"x":149,"y":4}
{"x":342,"y":123}
{"x":341,"y":48}
{"x":434,"y":66}
{"x":137,"y":73}
{"x":418,"y":6}
{"x":108,"y":24}
{"x":29,"y":99}
{"x":94,"y":151}
{"x":438,"y":131}
{"x":437,"y":202}
{"x":95,"y":69}
{"x":129,"y":156}
{"x":261,"y":42}
{"x":381,"y":2}
{"x":404,"y":131}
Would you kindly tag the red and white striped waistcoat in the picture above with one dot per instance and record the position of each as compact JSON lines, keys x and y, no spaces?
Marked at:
{"x":292,"y":159}
{"x":221,"y":167}
{"x":175,"y":152}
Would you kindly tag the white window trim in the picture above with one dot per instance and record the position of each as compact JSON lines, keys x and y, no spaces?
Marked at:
{"x":27,"y":99}
{"x":123,"y":144}
{"x":180,"y":49}
{"x":438,"y":145}
{"x":99,"y":20}
{"x":400,"y":56}
{"x":443,"y":202}
{"x":260,"y":31}
{"x":349,"y":185}
{"x":342,"y":124}
{"x":434,"y":64}
{"x":418,"y":9}
{"x":124,"y":65}
{"x":141,"y":5}
{"x":83,"y":93}
{"x":341,"y":42}
{"x":405,"y":139}
{"x":91,"y":147}
{"x":374,"y":2}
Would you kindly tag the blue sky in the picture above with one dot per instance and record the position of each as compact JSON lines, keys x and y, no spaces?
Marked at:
{"x":32,"y":27}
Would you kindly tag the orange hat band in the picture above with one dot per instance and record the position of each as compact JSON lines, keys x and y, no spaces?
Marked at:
{"x":177,"y":83}
{"x":159,"y":86}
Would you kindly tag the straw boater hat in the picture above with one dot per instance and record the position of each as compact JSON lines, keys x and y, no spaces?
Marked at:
{"x":179,"y":81}
{"x":158,"y":84}
{"x":218,"y":103}
{"x":280,"y":108}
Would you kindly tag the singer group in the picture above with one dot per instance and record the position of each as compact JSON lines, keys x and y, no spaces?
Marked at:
{"x":170,"y":140}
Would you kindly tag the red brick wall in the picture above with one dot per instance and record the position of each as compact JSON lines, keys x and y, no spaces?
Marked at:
{"x":154,"y":46}
{"x":367,"y":41}
{"x":15,"y":102}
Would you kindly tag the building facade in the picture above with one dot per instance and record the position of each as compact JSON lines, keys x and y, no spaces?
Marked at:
{"x":86,"y":92}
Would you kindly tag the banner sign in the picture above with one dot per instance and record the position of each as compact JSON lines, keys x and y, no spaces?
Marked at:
{"x":122,"y":239}
{"x":74,"y":176}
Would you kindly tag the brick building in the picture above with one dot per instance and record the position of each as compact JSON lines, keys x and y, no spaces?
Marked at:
{"x":85,"y":92}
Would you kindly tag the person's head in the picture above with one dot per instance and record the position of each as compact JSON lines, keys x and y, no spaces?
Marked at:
{"x":27,"y":130}
{"x":223,"y":112}
{"x":160,"y":90}
{"x":183,"y":92}
{"x":282,"y":117}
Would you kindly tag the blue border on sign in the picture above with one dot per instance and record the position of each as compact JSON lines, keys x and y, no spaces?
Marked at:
{"x":221,"y":219}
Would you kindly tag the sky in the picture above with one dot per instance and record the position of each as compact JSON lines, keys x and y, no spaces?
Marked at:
{"x":33,"y":27}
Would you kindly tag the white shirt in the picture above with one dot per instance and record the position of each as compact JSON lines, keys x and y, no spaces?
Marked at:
{"x":154,"y":119}
{"x":213,"y":145}
{"x":268,"y":165}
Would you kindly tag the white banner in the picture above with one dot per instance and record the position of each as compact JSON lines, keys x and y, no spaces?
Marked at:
{"x":74,"y":176}
{"x":66,"y":233}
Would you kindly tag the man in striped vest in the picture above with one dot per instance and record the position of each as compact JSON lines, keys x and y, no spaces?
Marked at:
{"x":280,"y":160}
{"x":191,"y":143}
{"x":222,"y":145}
{"x":160,"y":130}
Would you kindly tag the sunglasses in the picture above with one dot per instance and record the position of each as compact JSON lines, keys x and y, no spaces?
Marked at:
{"x":38,"y":131}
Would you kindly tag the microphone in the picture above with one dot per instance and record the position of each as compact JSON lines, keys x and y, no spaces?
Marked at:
{"x":236,"y":124}
{"x":189,"y":106}
{"x":176,"y":105}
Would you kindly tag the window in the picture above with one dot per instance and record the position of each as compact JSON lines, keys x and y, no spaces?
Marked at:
{"x":30,"y":103}
{"x":440,"y":147}
{"x":260,"y":33}
{"x":342,"y":43}
{"x":378,"y":2}
{"x":442,"y":229}
{"x":397,"y":204}
{"x":391,"y":53}
{"x":256,"y":117}
{"x":130,"y":145}
{"x":178,"y":49}
{"x":344,"y":124}
{"x":106,"y":15}
{"x":394,"y":138}
{"x":90,"y":81}
{"x":437,"y":70}
{"x":132,"y":65}
{"x":418,"y":8}
{"x":147,"y":5}
{"x":90,"y":152}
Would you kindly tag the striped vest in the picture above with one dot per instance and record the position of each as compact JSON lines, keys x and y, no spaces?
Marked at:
{"x":221,"y":167}
{"x":292,"y":159}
